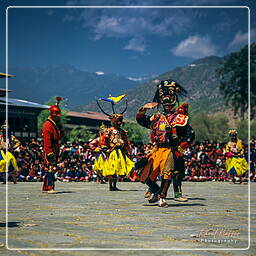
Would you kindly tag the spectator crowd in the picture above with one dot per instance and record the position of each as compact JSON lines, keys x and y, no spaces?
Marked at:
{"x":204,"y":161}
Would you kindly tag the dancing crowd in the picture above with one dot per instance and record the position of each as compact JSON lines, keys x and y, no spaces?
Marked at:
{"x":204,"y":161}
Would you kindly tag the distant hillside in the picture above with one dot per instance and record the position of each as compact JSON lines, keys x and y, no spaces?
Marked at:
{"x":79,"y":87}
{"x":198,"y":78}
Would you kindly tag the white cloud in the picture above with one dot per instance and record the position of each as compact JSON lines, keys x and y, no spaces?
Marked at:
{"x":116,"y":23}
{"x":126,"y":26}
{"x":195,"y":47}
{"x":136,"y":44}
{"x":99,"y":73}
{"x":241,"y":39}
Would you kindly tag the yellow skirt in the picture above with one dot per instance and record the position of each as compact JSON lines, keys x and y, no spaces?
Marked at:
{"x":100,"y":163}
{"x":237,"y":166}
{"x":160,"y":163}
{"x":117,"y":163}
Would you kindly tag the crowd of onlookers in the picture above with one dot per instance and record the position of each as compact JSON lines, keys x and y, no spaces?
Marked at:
{"x":204,"y":161}
{"x":75,"y":162}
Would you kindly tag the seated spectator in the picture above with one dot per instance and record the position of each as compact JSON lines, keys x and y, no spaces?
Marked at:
{"x":23,"y":172}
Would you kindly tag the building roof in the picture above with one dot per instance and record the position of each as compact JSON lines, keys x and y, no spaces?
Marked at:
{"x":88,"y":115}
{"x":18,"y":102}
{"x":21,"y":103}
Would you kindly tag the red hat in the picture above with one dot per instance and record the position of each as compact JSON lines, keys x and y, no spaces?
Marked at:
{"x":54,"y":109}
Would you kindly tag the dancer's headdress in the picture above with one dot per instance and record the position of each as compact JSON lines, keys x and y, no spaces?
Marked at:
{"x":55,"y":109}
{"x":114,"y":117}
{"x":167,"y":92}
{"x":232,"y":132}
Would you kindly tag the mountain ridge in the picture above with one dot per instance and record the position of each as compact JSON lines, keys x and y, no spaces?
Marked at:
{"x":79,"y":87}
{"x":198,"y":78}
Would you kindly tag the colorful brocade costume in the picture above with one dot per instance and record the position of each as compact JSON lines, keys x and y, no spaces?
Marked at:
{"x":52,"y":133}
{"x":235,"y":162}
{"x":115,"y":145}
{"x":171,"y":134}
{"x":115,"y":142}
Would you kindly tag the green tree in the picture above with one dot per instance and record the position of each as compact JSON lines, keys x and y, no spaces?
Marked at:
{"x":210,"y":127}
{"x":234,"y":80}
{"x":42,"y":117}
{"x":81,"y":134}
{"x":243,"y":131}
{"x":201,"y":125}
{"x":253,"y":128}
{"x":136,"y":133}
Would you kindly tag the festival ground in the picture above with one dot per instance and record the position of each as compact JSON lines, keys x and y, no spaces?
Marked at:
{"x":88,"y":216}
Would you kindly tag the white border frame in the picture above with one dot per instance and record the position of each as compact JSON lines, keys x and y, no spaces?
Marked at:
{"x":134,"y":249}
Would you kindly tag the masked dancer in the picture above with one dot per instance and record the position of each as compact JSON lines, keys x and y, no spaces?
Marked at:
{"x":236,"y":164}
{"x":115,"y":144}
{"x":171,"y":135}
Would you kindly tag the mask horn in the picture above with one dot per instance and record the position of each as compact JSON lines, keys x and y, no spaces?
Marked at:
{"x":126,"y":105}
{"x":102,"y":109}
{"x":113,"y":107}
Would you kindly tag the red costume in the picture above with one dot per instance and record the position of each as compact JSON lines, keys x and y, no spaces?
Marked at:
{"x":52,"y":132}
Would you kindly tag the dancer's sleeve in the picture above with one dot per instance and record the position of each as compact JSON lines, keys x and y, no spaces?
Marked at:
{"x":186,"y":135}
{"x":103,"y":142}
{"x":143,"y":119}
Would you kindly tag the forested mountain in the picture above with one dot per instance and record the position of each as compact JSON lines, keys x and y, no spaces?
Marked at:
{"x":79,"y":87}
{"x":198,"y":78}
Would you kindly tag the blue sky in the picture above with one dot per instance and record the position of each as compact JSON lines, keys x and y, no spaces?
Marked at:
{"x":137,"y":42}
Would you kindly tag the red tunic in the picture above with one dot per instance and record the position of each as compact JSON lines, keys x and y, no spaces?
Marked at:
{"x":52,"y":132}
